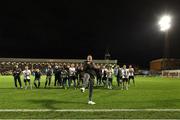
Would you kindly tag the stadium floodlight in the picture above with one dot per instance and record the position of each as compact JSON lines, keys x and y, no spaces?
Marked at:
{"x":165,"y":23}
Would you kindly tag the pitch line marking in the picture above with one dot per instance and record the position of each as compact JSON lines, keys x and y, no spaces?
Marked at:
{"x":89,"y":110}
{"x":91,"y":119}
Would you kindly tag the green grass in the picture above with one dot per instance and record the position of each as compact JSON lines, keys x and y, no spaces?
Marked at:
{"x":149,"y":92}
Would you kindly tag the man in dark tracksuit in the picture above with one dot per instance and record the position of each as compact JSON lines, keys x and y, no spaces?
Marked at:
{"x":57,"y":75}
{"x":119,"y":76}
{"x":16,"y":74}
{"x":99,"y":75}
{"x":78,"y":75}
{"x":81,"y":76}
{"x":104,"y":76}
{"x":37,"y":78}
{"x":89,"y":76}
{"x":49,"y":73}
{"x":64,"y":77}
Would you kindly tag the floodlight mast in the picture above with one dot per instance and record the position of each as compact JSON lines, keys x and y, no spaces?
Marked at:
{"x":165,"y":25}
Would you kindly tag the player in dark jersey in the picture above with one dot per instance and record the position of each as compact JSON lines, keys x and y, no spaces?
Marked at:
{"x":119,"y":76}
{"x":16,"y":74}
{"x":77,"y":67}
{"x":49,"y":73}
{"x":89,"y":76}
{"x":37,"y":78}
{"x":104,"y":76}
{"x":80,"y":76}
{"x":57,"y":76}
{"x":64,"y":76}
{"x":99,"y":75}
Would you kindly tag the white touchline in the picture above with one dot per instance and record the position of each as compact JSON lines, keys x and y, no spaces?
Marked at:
{"x":91,"y":119}
{"x":89,"y":110}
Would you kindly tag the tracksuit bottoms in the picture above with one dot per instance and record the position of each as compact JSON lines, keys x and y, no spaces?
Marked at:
{"x":88,"y":82}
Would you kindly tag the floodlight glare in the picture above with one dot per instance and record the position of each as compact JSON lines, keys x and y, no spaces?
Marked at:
{"x":165,"y":23}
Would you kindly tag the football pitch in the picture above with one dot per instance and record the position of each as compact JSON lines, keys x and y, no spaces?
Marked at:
{"x":151,"y":98}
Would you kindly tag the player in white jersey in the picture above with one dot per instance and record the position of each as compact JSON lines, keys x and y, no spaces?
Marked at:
{"x":72,"y":75}
{"x":125,"y":77}
{"x":131,"y":74}
{"x":104,"y":76}
{"x":110,"y":73}
{"x":27,"y":74}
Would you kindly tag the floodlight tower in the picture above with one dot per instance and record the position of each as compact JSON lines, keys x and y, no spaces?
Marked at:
{"x":165,"y":25}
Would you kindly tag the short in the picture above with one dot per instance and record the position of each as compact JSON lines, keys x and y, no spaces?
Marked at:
{"x":48,"y":77}
{"x":131,"y":77}
{"x":110,"y":79}
{"x":125,"y":79}
{"x":26,"y":80}
{"x":104,"y":78}
{"x":119,"y":78}
{"x":72,"y":77}
{"x":37,"y":79}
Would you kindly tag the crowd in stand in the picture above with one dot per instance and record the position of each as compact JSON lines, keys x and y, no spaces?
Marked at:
{"x":71,"y":75}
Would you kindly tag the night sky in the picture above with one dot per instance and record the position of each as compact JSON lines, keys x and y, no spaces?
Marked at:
{"x":72,"y":29}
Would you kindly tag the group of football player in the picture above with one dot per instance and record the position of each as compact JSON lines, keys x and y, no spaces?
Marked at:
{"x":65,"y":75}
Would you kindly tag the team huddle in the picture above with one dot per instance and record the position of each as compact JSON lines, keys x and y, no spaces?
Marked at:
{"x":81,"y":76}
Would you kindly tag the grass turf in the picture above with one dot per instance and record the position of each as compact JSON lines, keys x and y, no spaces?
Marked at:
{"x":149,"y":92}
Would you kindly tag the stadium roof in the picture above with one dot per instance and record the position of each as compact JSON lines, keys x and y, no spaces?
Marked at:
{"x":162,"y":59}
{"x":53,"y":60}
